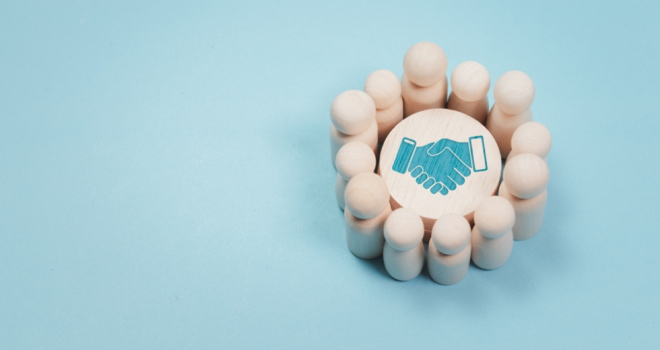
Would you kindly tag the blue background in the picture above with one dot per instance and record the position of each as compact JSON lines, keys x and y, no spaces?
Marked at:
{"x":165,"y":179}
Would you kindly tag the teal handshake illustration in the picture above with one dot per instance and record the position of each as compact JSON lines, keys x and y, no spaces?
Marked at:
{"x":442,"y":166}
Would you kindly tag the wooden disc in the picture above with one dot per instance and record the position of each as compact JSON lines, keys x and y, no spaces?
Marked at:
{"x":440,"y":161}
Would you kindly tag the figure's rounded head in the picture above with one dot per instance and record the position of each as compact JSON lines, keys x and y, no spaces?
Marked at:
{"x":451,"y":234}
{"x":470,"y":81}
{"x":425,"y":64}
{"x":366,"y":195}
{"x":526,"y":175}
{"x":494,"y":217}
{"x":404,"y":229}
{"x":352,"y":112}
{"x":514,"y":92}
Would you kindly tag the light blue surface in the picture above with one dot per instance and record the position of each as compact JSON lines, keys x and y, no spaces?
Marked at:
{"x":165,"y":179}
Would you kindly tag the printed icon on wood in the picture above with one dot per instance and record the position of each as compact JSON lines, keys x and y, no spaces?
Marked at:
{"x":441,"y":166}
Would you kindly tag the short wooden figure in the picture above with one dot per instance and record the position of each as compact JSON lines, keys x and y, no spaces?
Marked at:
{"x":403,"y":253}
{"x":424,"y":82}
{"x":449,"y":249}
{"x":514,"y":94}
{"x":492,"y":239}
{"x":528,"y":176}
{"x":437,"y":162}
{"x":470,"y":83}
{"x":385,"y":89}
{"x":353,"y":158}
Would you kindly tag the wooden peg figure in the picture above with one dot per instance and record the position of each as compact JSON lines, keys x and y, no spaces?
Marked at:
{"x":470,"y":83}
{"x":403,"y":253}
{"x":449,"y":249}
{"x":424,"y":80}
{"x":492,"y":239}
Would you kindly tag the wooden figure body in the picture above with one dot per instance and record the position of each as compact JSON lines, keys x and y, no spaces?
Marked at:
{"x":514,"y":94}
{"x":492,"y":239}
{"x":403,"y":253}
{"x":470,"y":82}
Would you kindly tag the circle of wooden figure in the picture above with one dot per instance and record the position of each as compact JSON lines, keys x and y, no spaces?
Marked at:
{"x":403,"y":253}
{"x":492,"y":239}
{"x":514,"y":93}
{"x":367,"y":208}
{"x":528,"y":176}
{"x":531,"y":137}
{"x":470,"y":82}
{"x":385,"y":89}
{"x":353,"y":158}
{"x":449,"y":249}
{"x":437,"y":162}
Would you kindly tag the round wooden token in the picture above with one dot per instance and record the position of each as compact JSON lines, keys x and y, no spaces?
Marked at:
{"x":440,"y":161}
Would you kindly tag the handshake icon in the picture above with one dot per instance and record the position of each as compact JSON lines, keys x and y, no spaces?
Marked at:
{"x":441,"y":166}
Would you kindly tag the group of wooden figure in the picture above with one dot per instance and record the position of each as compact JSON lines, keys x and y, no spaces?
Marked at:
{"x":361,"y":120}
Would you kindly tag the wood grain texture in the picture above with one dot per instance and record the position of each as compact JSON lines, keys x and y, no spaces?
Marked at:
{"x":430,"y":126}
{"x":477,"y":110}
{"x":417,"y":98}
